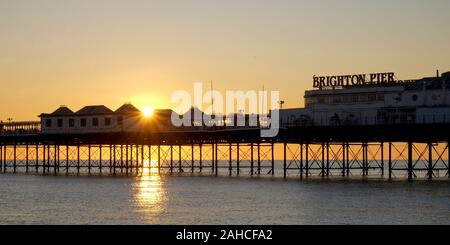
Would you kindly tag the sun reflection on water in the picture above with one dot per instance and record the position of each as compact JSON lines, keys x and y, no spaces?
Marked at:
{"x":149,"y":195}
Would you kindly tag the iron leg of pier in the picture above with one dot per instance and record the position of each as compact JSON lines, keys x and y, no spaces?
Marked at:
{"x":114,"y":159}
{"x":100,"y":158}
{"x":14,"y":157}
{"x":200,"y":158}
{"x":48,"y":158}
{"x":217,"y":159}
{"x":37,"y":158}
{"x":230,"y":169}
{"x":328,"y":159}
{"x":237,"y":159}
{"x":430,"y":161}
{"x":44,"y":150}
{"x":78,"y":159}
{"x":26,"y":156}
{"x":212,"y":158}
{"x":382,"y":159}
{"x":67,"y":159}
{"x":130,"y":166}
{"x":307,"y":160}
{"x":284,"y":160}
{"x":180,"y":169}
{"x":55,"y":160}
{"x":343,"y":160}
{"x":322,"y":171}
{"x":149,"y":158}
{"x":171,"y":159}
{"x":58,"y":156}
{"x":192,"y":158}
{"x":121,"y":159}
{"x":448,"y":159}
{"x":301,"y":160}
{"x":89,"y":159}
{"x":251,"y":159}
{"x":273,"y":159}
{"x":1,"y":158}
{"x":126,"y":159}
{"x":410,"y":164}
{"x":142,"y":158}
{"x":347,"y":158}
{"x":159,"y":159}
{"x":363,"y":159}
{"x":110,"y":159}
{"x":390,"y":160}
{"x":259,"y":158}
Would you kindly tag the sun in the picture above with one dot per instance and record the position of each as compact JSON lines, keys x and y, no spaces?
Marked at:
{"x":148,"y":111}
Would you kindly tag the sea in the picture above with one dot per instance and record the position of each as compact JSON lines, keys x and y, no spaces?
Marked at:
{"x":184,"y":199}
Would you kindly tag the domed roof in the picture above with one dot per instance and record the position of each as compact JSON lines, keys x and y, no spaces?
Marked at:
{"x":127,"y":109}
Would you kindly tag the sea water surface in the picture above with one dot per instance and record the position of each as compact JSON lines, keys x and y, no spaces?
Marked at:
{"x":154,"y":199}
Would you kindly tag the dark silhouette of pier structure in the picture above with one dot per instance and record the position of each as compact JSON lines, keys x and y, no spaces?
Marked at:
{"x":415,"y":151}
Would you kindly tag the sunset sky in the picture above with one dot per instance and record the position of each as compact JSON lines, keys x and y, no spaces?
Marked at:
{"x":77,"y":53}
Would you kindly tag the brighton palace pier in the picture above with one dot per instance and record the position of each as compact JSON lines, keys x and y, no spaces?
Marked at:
{"x":390,"y":130}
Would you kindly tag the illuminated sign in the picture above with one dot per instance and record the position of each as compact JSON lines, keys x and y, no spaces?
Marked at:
{"x":354,"y":80}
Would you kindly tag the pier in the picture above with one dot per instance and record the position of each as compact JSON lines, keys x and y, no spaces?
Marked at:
{"x":409,"y":151}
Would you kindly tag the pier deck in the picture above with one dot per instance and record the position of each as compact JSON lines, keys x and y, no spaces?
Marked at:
{"x":415,"y":151}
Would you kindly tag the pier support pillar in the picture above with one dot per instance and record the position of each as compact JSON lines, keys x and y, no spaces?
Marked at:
{"x":322,"y":167}
{"x":110,"y":159}
{"x":180,"y":168}
{"x":67,"y":159}
{"x":390,"y":160}
{"x":212,"y":157}
{"x":48,"y":158}
{"x":57,"y":157}
{"x":251,"y":159}
{"x":114,"y":159}
{"x":273,"y":159}
{"x":100,"y":158}
{"x":363,"y":159}
{"x":149,"y":158}
{"x":410,"y":164}
{"x":14,"y":157}
{"x":301,"y":160}
{"x":78,"y":159}
{"x":217,"y":160}
{"x":171,"y":159}
{"x":284,"y":160}
{"x":347,"y":158}
{"x":37,"y":158}
{"x":200,"y":150}
{"x":43,"y":158}
{"x":1,"y":158}
{"x":259,"y":158}
{"x":307,"y":160}
{"x":382,"y":159}
{"x":343,"y":159}
{"x":430,"y":161}
{"x":159,"y":159}
{"x":55,"y":160}
{"x":448,"y":159}
{"x":126,"y":159}
{"x":230,"y":162}
{"x":328,"y":159}
{"x":237,"y":159}
{"x":192,"y":158}
{"x":26,"y":158}
{"x":89,"y":159}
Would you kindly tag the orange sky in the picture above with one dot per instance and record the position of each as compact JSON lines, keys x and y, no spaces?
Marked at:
{"x":79,"y":53}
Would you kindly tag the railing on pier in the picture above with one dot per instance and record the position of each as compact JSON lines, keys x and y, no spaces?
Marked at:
{"x":410,"y":150}
{"x":20,"y":128}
